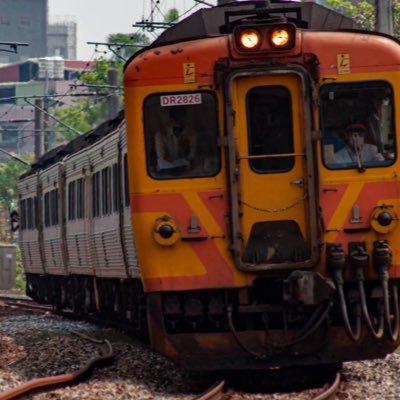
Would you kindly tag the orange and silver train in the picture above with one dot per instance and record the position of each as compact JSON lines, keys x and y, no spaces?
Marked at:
{"x":261,"y":159}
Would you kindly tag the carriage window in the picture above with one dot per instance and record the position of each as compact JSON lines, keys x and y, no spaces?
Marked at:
{"x":76,"y":199}
{"x":181,"y":135}
{"x":51,"y":208}
{"x":96,"y":194}
{"x":357,"y":125}
{"x":28,"y":213}
{"x":115,"y":177}
{"x":71,"y":201}
{"x":80,"y":198}
{"x":106,"y":190}
{"x":269,"y":113}
{"x":126,"y":181}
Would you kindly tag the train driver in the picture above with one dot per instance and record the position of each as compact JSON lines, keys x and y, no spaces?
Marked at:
{"x":175,"y":145}
{"x":355,"y":149}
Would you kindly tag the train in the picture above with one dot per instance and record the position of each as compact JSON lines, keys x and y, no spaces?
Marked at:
{"x":242,"y":210}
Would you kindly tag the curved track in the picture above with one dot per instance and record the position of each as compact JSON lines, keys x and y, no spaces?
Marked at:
{"x":107,"y":354}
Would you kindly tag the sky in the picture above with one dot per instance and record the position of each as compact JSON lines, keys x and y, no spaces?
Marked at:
{"x":97,"y":18}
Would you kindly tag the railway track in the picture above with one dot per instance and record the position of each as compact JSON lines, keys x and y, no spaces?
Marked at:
{"x":218,"y":391}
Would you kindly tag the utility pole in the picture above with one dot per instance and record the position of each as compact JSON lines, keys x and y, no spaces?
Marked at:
{"x":384,"y":16}
{"x":113,"y":98}
{"x":39,"y":142}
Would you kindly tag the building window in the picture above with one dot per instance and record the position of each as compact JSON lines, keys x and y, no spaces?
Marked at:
{"x":4,"y":20}
{"x":25,"y":21}
{"x":9,"y":136}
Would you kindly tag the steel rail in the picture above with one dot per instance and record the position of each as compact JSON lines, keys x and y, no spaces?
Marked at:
{"x":213,"y":393}
{"x":331,"y":391}
{"x":49,"y":381}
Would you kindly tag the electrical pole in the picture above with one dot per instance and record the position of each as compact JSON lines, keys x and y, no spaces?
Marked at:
{"x":384,"y":16}
{"x":39,"y":142}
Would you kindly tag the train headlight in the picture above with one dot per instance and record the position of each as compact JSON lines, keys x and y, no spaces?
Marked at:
{"x":264,"y":38}
{"x":250,"y":39}
{"x":166,"y":232}
{"x":280,"y":37}
{"x":384,"y":219}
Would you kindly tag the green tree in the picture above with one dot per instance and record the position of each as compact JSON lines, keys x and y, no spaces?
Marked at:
{"x":10,"y":170}
{"x":172,"y":15}
{"x":127,"y":41}
{"x":85,"y":114}
{"x":363,"y":13}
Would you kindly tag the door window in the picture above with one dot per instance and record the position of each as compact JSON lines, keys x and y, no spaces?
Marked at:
{"x":269,"y":112}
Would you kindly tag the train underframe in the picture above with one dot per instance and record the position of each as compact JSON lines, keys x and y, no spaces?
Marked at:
{"x":299,"y":320}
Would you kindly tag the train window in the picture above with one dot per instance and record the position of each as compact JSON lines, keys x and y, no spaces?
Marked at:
{"x":54,"y":206}
{"x":47,"y":209}
{"x":106,"y":190}
{"x":357,"y":122}
{"x":76,"y":202}
{"x":51,"y":208}
{"x":96,"y":194}
{"x":181,"y":135}
{"x":23,"y":214}
{"x":71,"y":201}
{"x":269,"y":120}
{"x":126,"y":181}
{"x":80,"y":198}
{"x":115,"y":177}
{"x":30,"y":216}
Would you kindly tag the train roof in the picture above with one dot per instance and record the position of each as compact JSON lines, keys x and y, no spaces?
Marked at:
{"x":220,"y":20}
{"x":80,"y":142}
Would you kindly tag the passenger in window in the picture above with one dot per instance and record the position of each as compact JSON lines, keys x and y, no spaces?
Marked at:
{"x":175,"y":145}
{"x":356,"y":150}
{"x":14,"y":220}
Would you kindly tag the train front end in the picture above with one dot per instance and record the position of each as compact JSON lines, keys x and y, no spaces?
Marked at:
{"x":264,"y":190}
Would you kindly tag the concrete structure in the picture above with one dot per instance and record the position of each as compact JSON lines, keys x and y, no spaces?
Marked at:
{"x":35,"y":77}
{"x":24,"y":21}
{"x":7,"y":266}
{"x":61,"y":39}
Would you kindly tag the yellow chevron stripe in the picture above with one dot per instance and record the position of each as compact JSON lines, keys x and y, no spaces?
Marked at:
{"x":342,"y":210}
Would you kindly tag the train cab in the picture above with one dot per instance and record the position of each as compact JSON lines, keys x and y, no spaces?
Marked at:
{"x":262,"y":164}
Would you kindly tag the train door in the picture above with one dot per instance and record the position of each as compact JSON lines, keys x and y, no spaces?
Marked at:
{"x":273,"y":203}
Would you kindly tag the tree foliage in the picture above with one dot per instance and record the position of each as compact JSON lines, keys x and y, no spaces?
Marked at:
{"x":10,"y":170}
{"x":86,"y":114}
{"x":125,"y":52}
{"x":363,"y":13}
{"x":172,"y":15}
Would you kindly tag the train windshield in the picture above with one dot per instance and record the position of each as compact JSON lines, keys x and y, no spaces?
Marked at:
{"x":357,"y":125}
{"x":181,"y":135}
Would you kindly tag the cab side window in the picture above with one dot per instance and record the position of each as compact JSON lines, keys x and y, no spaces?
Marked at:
{"x":357,"y":125}
{"x":181,"y":135}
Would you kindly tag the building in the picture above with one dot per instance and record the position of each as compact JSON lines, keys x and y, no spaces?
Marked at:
{"x":24,"y":21}
{"x":61,"y":38}
{"x":35,"y":77}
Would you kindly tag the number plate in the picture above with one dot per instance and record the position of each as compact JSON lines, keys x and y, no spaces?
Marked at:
{"x":180,"y":99}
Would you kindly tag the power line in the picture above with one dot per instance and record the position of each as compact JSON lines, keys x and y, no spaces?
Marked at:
{"x":12,"y":155}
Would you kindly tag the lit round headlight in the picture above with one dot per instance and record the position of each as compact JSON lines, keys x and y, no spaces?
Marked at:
{"x":280,"y":37}
{"x":250,"y":39}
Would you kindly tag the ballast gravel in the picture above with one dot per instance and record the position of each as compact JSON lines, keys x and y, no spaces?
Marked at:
{"x":34,"y":345}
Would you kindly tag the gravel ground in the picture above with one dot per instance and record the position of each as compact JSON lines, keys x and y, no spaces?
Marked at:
{"x":34,"y":345}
